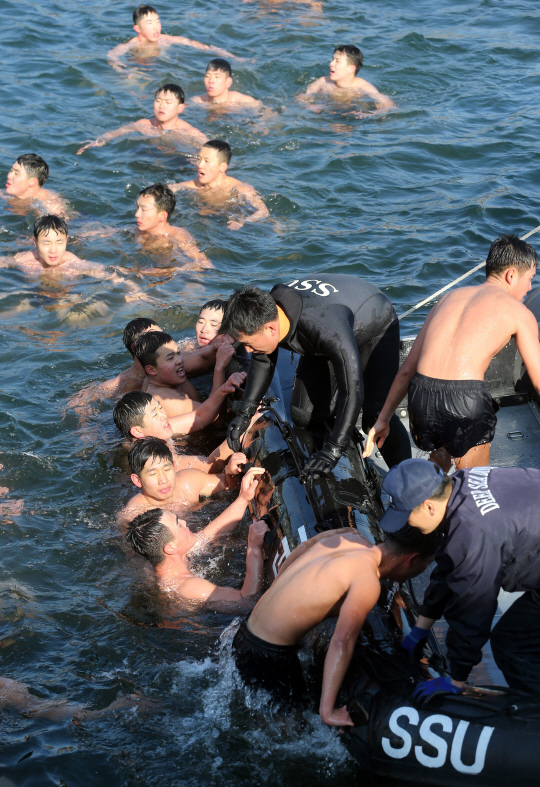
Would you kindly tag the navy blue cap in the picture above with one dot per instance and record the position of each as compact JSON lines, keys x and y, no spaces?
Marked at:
{"x":407,"y":485}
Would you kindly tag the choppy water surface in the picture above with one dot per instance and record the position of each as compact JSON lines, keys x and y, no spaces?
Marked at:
{"x":409,"y":201}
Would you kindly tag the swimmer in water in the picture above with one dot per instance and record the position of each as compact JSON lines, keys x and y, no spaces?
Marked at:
{"x":169,"y":102}
{"x":336,"y":574}
{"x":150,"y":39}
{"x":343,"y":82}
{"x":16,"y":696}
{"x":24,"y":187}
{"x":50,"y":256}
{"x":217,"y":83}
{"x":209,"y":321}
{"x":163,"y":362}
{"x":217,"y":188}
{"x":166,"y":541}
{"x":154,"y":208}
{"x":138,"y":415}
{"x":153,"y":472}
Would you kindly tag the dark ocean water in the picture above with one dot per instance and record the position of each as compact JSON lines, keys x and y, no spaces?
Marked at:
{"x":409,"y":201}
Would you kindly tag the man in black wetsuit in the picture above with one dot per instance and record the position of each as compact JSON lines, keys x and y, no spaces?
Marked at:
{"x":347,"y":332}
{"x":489,"y":517}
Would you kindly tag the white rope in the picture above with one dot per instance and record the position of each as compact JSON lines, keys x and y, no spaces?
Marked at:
{"x":456,"y":281}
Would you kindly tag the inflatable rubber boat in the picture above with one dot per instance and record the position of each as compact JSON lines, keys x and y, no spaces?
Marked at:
{"x":487,"y":735}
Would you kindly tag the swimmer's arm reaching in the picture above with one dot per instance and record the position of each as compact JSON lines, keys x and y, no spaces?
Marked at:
{"x":186,"y":243}
{"x":114,"y":55}
{"x":227,"y":521}
{"x":382,"y":102}
{"x":252,"y":198}
{"x":138,"y":125}
{"x":224,"y":354}
{"x":206,"y":412}
{"x":183,"y":41}
{"x":361,"y":598}
{"x":379,"y":432}
{"x":200,"y":589}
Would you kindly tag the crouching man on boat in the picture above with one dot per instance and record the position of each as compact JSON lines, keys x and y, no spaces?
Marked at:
{"x":452,"y":415}
{"x":347,"y":333}
{"x":334,"y":574}
{"x":488,"y":517}
{"x":166,"y":541}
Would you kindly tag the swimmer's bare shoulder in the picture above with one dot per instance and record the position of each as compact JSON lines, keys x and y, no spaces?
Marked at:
{"x":321,"y":85}
{"x":185,"y":184}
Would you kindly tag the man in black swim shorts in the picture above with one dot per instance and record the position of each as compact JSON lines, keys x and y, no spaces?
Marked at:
{"x":451,"y":413}
{"x":347,"y":333}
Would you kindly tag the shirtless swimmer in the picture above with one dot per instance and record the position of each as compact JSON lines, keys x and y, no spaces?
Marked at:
{"x":334,"y":574}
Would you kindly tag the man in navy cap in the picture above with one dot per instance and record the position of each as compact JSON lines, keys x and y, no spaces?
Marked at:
{"x":490,"y":520}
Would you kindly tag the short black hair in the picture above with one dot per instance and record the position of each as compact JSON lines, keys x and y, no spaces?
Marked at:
{"x":148,"y":535}
{"x":444,"y":489}
{"x":509,"y":251}
{"x":136,"y":328}
{"x":163,"y":197}
{"x":248,"y":310}
{"x":223,"y":148}
{"x":142,"y":11}
{"x":216,"y":304}
{"x":354,"y":55}
{"x":147,"y":448}
{"x":47,"y":223}
{"x":219,"y":64}
{"x":34,"y":166}
{"x":176,"y":90}
{"x":130,"y":411}
{"x":147,"y":346}
{"x":410,"y":539}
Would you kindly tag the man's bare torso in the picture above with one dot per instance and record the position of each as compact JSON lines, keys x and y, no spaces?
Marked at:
{"x":30,"y":263}
{"x":312,"y":588}
{"x":466,"y":330}
{"x":217,"y":197}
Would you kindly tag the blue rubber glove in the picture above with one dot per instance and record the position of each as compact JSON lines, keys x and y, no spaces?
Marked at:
{"x":429,"y":688}
{"x":413,"y":638}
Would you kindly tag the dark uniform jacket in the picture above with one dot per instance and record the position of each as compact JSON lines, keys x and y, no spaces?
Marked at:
{"x":492,"y":542}
{"x":332,"y":316}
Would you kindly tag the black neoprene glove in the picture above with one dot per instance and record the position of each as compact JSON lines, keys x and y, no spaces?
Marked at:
{"x":323,"y":461}
{"x":245,"y":412}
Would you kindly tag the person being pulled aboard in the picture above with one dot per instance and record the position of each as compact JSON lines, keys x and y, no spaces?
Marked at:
{"x":335,"y":574}
{"x":348,"y":334}
{"x":488,"y":517}
{"x":451,"y":413}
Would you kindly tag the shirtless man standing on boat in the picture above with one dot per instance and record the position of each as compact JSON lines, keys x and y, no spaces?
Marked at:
{"x":343,"y":82}
{"x":451,"y":413}
{"x":334,"y":574}
{"x":166,"y":541}
{"x":24,"y":186}
{"x":216,"y":187}
{"x":149,"y":39}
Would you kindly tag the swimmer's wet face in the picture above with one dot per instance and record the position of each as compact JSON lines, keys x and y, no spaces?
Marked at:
{"x":149,"y":27}
{"x":148,"y":216}
{"x":183,"y":539}
{"x":167,"y":106}
{"x":340,"y":68}
{"x":51,"y":246}
{"x":210,"y":165}
{"x":216,"y":81}
{"x":523,"y":284}
{"x":157,"y":479}
{"x":27,"y":173}
{"x":155,"y":422}
{"x":208,"y":325}
{"x":169,"y":366}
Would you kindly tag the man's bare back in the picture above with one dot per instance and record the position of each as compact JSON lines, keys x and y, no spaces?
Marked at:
{"x":329,"y":568}
{"x":469,"y":326}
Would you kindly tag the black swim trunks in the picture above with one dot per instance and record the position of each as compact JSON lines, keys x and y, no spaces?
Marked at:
{"x":453,"y":414}
{"x":275,"y":668}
